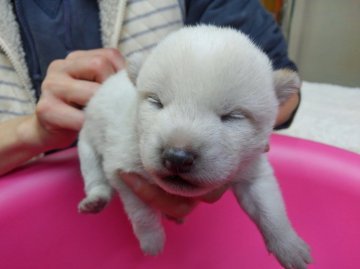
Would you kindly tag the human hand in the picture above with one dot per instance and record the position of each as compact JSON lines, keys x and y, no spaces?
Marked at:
{"x":287,"y":108}
{"x":174,"y":207}
{"x":68,"y":86}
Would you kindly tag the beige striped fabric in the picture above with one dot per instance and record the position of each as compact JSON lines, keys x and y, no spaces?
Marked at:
{"x":146,"y":23}
{"x":15,"y":99}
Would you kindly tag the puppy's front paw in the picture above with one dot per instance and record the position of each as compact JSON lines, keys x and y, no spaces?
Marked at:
{"x":153,"y":243}
{"x":96,"y":200}
{"x":92,"y":204}
{"x":291,"y":251}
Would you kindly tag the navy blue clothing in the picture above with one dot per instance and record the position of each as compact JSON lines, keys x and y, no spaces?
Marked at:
{"x":51,"y":29}
{"x":248,"y":16}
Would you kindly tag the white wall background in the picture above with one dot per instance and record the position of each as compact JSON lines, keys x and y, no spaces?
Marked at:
{"x":325,"y":40}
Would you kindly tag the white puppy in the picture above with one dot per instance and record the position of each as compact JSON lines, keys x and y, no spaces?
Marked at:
{"x":204,"y":105}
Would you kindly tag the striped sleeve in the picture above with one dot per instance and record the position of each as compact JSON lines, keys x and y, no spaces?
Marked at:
{"x":14,"y":100}
{"x":146,"y":23}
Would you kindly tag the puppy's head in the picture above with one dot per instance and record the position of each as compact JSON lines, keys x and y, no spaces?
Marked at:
{"x":207,"y":106}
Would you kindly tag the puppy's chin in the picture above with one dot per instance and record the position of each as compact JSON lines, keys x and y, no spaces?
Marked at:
{"x":175,"y":184}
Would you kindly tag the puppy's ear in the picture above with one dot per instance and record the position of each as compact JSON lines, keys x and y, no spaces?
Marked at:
{"x":134,"y":63}
{"x":286,"y":83}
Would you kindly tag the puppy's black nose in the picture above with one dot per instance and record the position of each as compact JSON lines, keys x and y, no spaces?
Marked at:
{"x":178,"y":160}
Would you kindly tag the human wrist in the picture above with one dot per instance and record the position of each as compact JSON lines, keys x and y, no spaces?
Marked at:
{"x":19,"y":143}
{"x":30,"y":135}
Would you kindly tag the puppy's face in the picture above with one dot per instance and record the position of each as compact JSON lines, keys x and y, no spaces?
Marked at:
{"x":207,"y":105}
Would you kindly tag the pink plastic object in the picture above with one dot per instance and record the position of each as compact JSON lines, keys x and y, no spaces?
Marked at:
{"x":40,"y":227}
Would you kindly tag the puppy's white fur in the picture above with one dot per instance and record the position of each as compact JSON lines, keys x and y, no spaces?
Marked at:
{"x":206,"y":90}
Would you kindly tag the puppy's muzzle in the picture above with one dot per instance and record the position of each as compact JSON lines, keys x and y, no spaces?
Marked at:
{"x":178,"y":160}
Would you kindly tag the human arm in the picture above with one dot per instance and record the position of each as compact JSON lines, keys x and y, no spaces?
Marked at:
{"x":18,"y":142}
{"x":67,"y":87}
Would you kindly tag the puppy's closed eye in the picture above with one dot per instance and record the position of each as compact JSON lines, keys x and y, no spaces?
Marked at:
{"x":233,"y":116}
{"x":154,"y":100}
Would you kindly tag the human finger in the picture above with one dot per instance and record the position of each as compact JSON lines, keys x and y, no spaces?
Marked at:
{"x":94,"y":68}
{"x":54,"y":114}
{"x":113,"y":55}
{"x":215,"y":195}
{"x":69,"y":90}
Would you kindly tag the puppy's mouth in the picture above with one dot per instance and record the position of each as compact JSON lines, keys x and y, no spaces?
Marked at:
{"x":178,"y":181}
{"x":175,"y":184}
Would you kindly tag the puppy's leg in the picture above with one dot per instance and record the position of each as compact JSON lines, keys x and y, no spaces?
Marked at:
{"x":146,"y":221}
{"x":98,"y":191}
{"x":260,"y":197}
